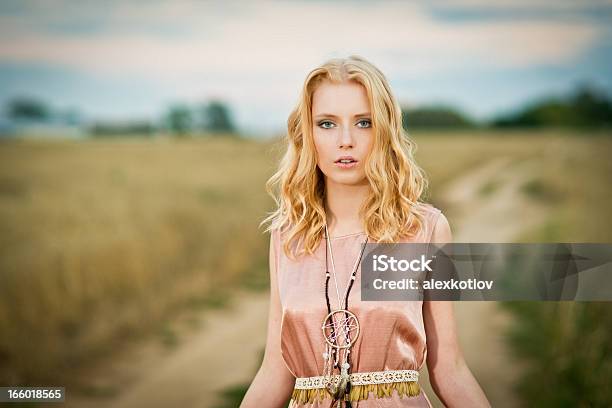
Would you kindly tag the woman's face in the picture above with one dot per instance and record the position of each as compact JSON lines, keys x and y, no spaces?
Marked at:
{"x":342,"y":129}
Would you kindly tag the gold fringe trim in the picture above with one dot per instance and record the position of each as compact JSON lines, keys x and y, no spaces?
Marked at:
{"x":359,"y":392}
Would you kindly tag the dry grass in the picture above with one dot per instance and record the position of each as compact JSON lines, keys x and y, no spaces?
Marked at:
{"x":102,"y":239}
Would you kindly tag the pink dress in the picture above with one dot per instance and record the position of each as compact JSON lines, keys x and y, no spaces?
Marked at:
{"x":392,"y":335}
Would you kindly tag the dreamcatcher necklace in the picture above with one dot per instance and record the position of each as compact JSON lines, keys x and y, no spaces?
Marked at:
{"x":340,"y":330}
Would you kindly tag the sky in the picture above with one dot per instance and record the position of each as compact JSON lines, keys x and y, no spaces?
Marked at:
{"x":121,"y":60}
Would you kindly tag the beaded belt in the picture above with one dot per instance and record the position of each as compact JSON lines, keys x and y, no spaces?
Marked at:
{"x":382,"y":383}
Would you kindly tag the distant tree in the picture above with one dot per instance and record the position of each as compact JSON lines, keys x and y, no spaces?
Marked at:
{"x":585,"y":107}
{"x":592,"y":106}
{"x":179,"y":119}
{"x":435,"y":117}
{"x":28,"y":109}
{"x":542,"y":112}
{"x":217,"y":117}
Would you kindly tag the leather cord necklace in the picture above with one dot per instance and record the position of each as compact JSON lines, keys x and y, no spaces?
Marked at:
{"x":337,"y":328}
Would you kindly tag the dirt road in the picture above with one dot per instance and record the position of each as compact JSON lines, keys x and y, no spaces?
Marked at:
{"x":486,"y":205}
{"x":223,"y":353}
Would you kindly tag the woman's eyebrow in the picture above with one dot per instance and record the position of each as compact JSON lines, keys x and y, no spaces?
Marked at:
{"x":331,"y":115}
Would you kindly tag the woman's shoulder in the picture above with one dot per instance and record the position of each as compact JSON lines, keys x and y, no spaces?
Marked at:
{"x":437,"y":227}
{"x":429,"y":210}
{"x":278,"y":232}
{"x":430,"y":215}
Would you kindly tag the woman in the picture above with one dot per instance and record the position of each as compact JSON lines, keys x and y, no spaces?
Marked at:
{"x":349,"y":177}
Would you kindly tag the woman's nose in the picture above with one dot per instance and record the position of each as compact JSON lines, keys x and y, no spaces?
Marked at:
{"x":346,"y":137}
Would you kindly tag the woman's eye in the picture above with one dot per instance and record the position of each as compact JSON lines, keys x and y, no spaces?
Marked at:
{"x":365,"y":123}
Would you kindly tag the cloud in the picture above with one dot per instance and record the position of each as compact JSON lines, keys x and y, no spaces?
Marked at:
{"x":255,"y":53}
{"x":288,"y":36}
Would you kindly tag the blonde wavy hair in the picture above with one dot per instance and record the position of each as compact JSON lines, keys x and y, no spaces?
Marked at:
{"x":391,"y":210}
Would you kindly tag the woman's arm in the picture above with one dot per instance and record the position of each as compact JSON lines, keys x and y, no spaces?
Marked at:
{"x":273,"y":383}
{"x":449,"y":374}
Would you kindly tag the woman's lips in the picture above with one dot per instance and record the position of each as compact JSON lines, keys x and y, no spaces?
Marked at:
{"x":346,"y":165}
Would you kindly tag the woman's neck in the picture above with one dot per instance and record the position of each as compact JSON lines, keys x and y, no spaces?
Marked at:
{"x":343,"y":202}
